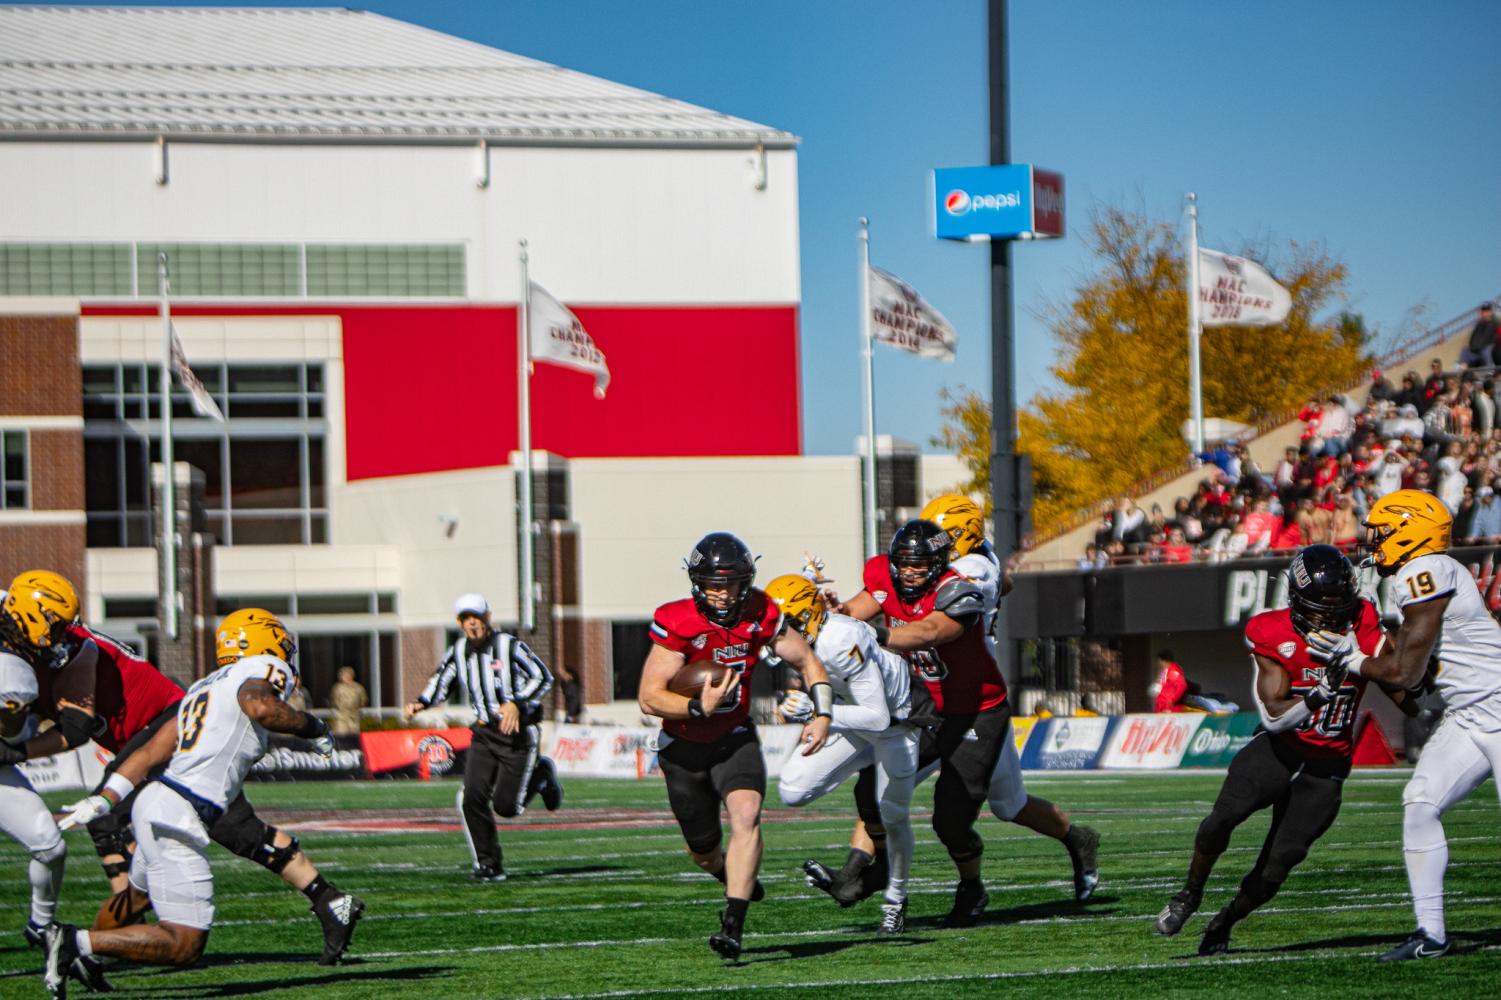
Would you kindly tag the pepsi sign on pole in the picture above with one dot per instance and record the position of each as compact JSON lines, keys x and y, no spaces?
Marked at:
{"x":1011,"y":201}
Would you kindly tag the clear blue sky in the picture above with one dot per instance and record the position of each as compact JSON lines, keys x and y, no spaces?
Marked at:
{"x":1371,"y":126}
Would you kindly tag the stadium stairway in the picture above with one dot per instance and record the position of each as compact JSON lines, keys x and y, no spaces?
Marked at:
{"x":1062,"y":551}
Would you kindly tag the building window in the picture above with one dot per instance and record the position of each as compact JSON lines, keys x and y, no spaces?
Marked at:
{"x":264,"y":469}
{"x":65,"y":269}
{"x":221,"y":268}
{"x":412,"y":269}
{"x":14,"y":470}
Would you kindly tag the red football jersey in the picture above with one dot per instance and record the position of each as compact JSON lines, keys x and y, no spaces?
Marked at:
{"x":1330,"y":732}
{"x":128,"y":690}
{"x":678,"y":626}
{"x":962,"y":675}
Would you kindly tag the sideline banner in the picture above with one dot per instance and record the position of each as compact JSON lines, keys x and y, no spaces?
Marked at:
{"x":1067,"y":743}
{"x":400,"y":749}
{"x":1150,"y":742}
{"x":1219,"y":739}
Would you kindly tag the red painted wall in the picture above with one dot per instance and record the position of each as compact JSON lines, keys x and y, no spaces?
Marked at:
{"x":433,"y":388}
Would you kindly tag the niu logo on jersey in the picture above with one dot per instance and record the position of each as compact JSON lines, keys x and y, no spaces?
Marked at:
{"x":731,"y":654}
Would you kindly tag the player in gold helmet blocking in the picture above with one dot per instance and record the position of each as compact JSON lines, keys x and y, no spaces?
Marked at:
{"x":1445,"y":618}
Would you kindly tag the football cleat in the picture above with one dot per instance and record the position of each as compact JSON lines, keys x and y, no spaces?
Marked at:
{"x":1176,"y":913}
{"x":90,"y":972}
{"x":61,"y":951}
{"x":970,"y":900}
{"x":893,"y":918}
{"x":726,"y":941}
{"x":1086,"y":867}
{"x":338,"y":918}
{"x":1417,"y":945}
{"x":487,"y":873}
{"x":818,"y":876}
{"x":1216,"y":940}
{"x":551,"y":788}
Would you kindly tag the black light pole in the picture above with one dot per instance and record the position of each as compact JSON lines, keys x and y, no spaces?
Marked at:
{"x":1006,"y":529}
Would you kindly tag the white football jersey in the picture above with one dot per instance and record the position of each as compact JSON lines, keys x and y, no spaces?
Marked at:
{"x":983,"y":566}
{"x":862,"y":673}
{"x":17,"y":683}
{"x":216,"y":741}
{"x":1469,"y":644}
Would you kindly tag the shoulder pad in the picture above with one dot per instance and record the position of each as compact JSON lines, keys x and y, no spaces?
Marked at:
{"x":958,"y":596}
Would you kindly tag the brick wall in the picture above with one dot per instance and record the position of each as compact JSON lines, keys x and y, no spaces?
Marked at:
{"x":58,"y":547}
{"x":56,"y":469}
{"x":597,"y":666}
{"x":49,"y":380}
{"x":421,"y":648}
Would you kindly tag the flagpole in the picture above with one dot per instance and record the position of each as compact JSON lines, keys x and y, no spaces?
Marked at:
{"x":169,"y":500}
{"x":523,"y":392}
{"x":867,"y":346}
{"x":1195,"y":380}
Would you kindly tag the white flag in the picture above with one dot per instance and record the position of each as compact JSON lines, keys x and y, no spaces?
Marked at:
{"x":558,"y":336}
{"x":902,"y":318}
{"x":198,"y":396}
{"x":1234,"y":291}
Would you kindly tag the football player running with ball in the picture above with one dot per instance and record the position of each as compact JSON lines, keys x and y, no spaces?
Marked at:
{"x":708,"y":750}
{"x":872,"y":696}
{"x":1298,"y":764}
{"x":1444,"y":617}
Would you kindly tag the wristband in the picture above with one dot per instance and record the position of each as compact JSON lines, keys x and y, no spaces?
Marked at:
{"x":1317,"y":699}
{"x":120,"y":785}
{"x":696,"y":708}
{"x":823,"y":700}
{"x":883,"y":634}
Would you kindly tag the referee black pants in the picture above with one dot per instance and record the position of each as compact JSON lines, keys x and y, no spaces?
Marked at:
{"x":497,"y":776}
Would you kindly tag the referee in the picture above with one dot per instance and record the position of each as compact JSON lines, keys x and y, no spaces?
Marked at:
{"x":504,"y":682}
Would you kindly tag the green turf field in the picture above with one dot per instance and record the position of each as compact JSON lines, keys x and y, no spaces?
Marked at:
{"x":608,"y":909}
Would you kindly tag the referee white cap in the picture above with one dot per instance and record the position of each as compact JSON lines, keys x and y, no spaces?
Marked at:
{"x":471,"y":604}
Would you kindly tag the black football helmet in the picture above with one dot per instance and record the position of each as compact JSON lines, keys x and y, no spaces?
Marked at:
{"x":720,"y":557}
{"x":1322,"y":591}
{"x":918,"y":543}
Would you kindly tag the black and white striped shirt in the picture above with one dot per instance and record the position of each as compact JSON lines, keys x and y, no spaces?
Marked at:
{"x":492,"y":672}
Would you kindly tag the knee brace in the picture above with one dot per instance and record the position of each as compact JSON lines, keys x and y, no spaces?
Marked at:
{"x":866,"y":805}
{"x":1422,"y":827}
{"x":969,"y":848}
{"x":112,"y":834}
{"x":704,"y":841}
{"x":49,"y":855}
{"x":243,"y":837}
{"x":274,"y":858}
{"x":113,"y":869}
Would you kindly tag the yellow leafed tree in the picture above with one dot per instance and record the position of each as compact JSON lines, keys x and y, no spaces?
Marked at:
{"x":1123,"y":366}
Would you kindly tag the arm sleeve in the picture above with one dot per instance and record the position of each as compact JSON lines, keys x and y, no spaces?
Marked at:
{"x":869,"y":712}
{"x":440,"y":682}
{"x":531,"y":679}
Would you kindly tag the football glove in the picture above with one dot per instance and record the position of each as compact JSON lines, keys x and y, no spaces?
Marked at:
{"x":323,"y":745}
{"x":1331,"y":649}
{"x":796,"y":706}
{"x":84,"y":811}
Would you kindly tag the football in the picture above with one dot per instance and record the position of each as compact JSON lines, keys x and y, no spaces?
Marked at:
{"x":689,"y":681}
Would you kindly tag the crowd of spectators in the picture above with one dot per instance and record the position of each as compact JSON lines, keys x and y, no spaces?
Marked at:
{"x":1437,"y":433}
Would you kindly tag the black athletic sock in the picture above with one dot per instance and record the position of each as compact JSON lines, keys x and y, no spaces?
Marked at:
{"x":857,"y":862}
{"x":319,"y":890}
{"x":734,"y":913}
{"x":1073,"y":838}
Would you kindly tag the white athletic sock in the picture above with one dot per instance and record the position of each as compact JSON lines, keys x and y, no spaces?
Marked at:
{"x":46,"y":879}
{"x":82,"y":943}
{"x":899,"y":848}
{"x":1426,"y":853}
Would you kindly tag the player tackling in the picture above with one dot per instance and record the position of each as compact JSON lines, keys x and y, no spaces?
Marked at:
{"x":1444,"y":618}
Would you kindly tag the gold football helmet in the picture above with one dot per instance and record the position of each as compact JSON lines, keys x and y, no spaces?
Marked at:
{"x":1406,"y":524}
{"x":253,"y":632}
{"x":961,"y":517}
{"x":41,"y":605}
{"x":800,"y":602}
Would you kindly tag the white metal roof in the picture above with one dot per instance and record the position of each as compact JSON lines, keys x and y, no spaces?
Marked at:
{"x":314,"y":74}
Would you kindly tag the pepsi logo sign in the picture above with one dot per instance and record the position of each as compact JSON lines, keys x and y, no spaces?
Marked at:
{"x":956,"y":203}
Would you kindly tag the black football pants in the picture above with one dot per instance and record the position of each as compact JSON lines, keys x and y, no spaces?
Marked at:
{"x":497,"y":775}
